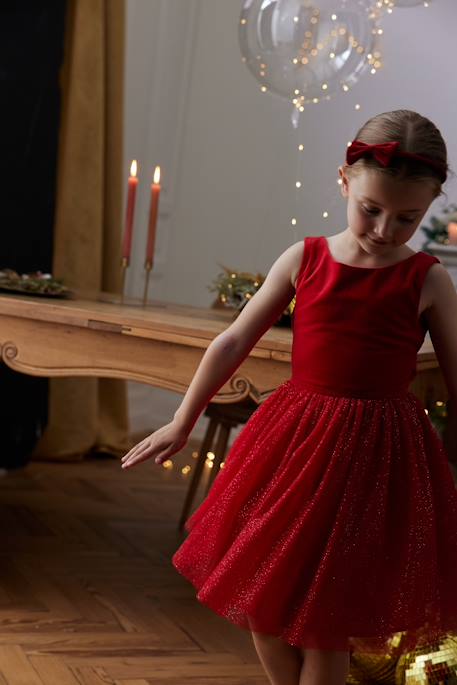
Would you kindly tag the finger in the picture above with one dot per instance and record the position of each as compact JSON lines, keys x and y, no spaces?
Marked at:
{"x":138,"y":447}
{"x":133,"y":450}
{"x":140,"y":455}
{"x":129,"y":456}
{"x":162,"y":456}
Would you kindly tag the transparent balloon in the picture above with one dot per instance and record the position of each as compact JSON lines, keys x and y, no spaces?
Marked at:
{"x":309,"y":50}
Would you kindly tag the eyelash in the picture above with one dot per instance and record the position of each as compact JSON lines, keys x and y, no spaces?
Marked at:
{"x":373,"y":212}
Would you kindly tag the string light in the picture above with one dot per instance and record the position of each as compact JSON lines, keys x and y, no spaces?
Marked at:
{"x":209,"y":462}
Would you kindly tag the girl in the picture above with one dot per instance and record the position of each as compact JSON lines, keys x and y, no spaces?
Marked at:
{"x":334,"y":520}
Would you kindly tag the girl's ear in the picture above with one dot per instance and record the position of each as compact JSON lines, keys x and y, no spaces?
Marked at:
{"x":344,"y":182}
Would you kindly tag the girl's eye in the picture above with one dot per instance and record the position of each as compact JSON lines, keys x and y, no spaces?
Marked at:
{"x":375,"y":211}
{"x":370,"y":211}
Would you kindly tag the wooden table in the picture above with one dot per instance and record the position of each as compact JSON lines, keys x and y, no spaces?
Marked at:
{"x":160,"y":344}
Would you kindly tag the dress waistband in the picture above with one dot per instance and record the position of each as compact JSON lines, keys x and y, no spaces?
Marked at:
{"x":362,"y":393}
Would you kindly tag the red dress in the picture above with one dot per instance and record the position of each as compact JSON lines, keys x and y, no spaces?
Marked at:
{"x":335,"y":516}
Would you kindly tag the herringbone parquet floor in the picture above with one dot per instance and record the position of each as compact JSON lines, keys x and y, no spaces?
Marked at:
{"x":88,"y":595}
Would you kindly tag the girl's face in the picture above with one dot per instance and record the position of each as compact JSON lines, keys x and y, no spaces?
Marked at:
{"x":383,"y":212}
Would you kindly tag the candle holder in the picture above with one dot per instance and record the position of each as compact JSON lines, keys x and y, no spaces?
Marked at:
{"x":124,"y":265}
{"x":148,"y":267}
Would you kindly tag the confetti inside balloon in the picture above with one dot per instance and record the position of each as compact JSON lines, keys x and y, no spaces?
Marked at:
{"x":402,"y":3}
{"x":309,"y":50}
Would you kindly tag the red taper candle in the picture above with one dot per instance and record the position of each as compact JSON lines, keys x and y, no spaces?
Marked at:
{"x":130,"y":211}
{"x":153,"y":212}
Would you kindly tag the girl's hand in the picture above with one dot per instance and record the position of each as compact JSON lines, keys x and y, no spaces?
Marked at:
{"x":161,"y":444}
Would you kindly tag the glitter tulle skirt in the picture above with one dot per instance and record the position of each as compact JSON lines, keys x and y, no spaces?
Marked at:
{"x":333,"y":521}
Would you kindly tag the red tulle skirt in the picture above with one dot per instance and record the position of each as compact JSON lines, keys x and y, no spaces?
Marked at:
{"x":333,"y":521}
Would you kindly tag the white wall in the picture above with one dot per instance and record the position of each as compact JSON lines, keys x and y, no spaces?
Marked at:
{"x":228,"y":152}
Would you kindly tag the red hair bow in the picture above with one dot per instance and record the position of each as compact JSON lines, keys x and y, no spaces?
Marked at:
{"x":383,"y":153}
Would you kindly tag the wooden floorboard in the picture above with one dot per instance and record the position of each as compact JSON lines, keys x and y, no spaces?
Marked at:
{"x":88,"y":594}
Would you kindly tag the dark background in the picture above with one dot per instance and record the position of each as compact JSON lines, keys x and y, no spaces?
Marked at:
{"x":31,"y":53}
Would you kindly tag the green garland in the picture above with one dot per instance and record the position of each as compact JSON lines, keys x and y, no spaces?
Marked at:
{"x":36,"y":283}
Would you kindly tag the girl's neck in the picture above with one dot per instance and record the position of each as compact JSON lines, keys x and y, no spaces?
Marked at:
{"x":345,"y":248}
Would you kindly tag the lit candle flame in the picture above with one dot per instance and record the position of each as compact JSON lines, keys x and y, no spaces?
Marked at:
{"x":157,"y":175}
{"x":133,"y":168}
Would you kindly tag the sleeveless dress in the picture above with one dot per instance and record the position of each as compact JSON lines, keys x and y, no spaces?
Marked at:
{"x":334,"y":519}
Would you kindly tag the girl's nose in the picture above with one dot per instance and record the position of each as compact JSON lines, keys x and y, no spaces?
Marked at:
{"x":384,"y":230}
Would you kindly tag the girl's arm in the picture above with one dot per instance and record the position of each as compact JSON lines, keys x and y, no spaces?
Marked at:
{"x":222,"y":357}
{"x":226,"y":352}
{"x":442,"y":322}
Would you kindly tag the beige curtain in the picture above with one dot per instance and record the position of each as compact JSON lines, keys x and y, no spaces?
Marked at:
{"x":89,"y":414}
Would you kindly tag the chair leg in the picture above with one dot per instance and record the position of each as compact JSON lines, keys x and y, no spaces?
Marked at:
{"x":219,"y":452}
{"x":200,"y":462}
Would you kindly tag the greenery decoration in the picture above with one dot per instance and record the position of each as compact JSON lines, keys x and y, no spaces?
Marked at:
{"x":235,"y":289}
{"x":34,"y":283}
{"x":437,"y":232}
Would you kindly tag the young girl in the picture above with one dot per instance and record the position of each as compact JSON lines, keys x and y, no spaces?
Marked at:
{"x":334,"y":520}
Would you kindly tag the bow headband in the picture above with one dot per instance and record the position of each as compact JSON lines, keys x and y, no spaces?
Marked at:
{"x":384,"y":152}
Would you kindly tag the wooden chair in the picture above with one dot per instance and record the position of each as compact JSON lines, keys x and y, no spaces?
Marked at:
{"x":223,"y":417}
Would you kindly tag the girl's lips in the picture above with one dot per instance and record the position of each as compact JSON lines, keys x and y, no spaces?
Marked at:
{"x":377,"y":242}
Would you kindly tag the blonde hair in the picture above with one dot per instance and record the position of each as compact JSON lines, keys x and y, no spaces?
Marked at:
{"x":416,"y":134}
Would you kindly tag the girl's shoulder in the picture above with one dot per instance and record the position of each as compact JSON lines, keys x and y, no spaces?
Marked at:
{"x":437,"y":284}
{"x":298,"y":255}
